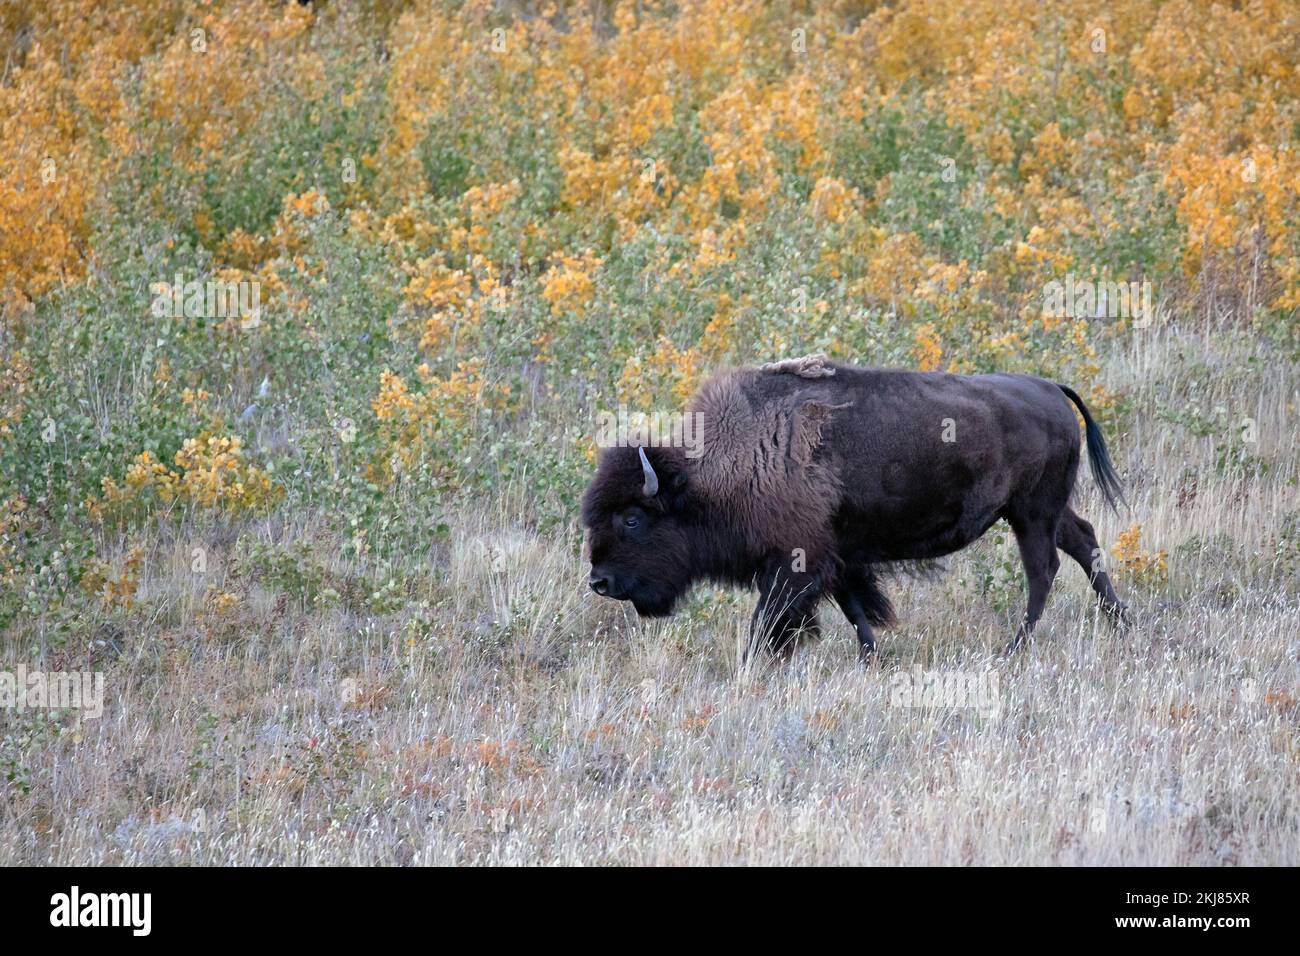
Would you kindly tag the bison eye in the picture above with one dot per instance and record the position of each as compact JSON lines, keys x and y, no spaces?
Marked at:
{"x":631,"y":521}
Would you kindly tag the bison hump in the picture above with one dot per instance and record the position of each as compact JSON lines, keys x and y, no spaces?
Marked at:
{"x":761,"y":461}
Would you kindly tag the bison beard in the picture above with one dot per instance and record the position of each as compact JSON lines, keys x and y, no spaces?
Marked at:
{"x":815,"y":476}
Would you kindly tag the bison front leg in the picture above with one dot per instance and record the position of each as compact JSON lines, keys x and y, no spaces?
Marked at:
{"x":859,"y":596}
{"x":787,"y":604}
{"x":857,"y":615}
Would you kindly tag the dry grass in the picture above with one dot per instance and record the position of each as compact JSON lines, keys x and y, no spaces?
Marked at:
{"x":503,"y":715}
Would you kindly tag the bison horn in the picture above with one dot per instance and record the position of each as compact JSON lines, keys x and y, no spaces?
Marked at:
{"x":651,"y":486}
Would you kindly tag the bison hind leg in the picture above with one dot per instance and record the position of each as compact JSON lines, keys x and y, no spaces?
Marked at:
{"x":1076,"y":538}
{"x":1037,"y":541}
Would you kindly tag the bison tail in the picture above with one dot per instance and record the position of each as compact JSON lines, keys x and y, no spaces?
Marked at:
{"x":1103,"y":469}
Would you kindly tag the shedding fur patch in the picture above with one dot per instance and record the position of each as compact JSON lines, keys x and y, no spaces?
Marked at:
{"x":810,"y":418}
{"x":807,"y":366}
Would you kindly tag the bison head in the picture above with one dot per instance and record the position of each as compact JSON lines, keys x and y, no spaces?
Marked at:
{"x":637,"y":530}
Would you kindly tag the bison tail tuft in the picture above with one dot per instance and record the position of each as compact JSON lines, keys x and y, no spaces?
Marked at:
{"x":1103,"y":469}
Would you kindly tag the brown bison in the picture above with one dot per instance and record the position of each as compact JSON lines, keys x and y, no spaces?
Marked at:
{"x":816,"y":476}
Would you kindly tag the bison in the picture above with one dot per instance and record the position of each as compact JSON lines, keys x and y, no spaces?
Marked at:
{"x":817,"y":477}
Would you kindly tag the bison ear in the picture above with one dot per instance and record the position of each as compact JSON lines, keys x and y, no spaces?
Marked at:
{"x":809,"y":419}
{"x":675,"y":492}
{"x":670,"y":474}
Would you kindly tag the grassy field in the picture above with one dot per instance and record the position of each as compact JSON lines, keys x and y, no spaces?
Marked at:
{"x":323,"y":546}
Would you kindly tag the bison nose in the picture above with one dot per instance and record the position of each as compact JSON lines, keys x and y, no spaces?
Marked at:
{"x":600,"y":584}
